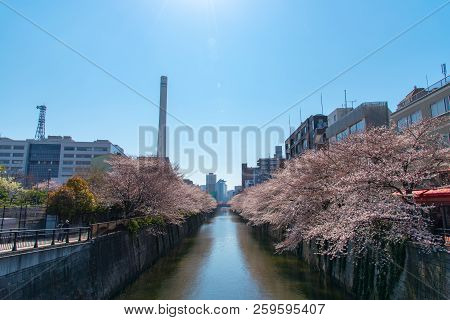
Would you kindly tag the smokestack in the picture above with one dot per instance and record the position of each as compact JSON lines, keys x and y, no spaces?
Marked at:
{"x":162,"y":132}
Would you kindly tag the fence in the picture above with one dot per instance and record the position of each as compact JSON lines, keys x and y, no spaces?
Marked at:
{"x":22,"y":217}
{"x":17,"y":239}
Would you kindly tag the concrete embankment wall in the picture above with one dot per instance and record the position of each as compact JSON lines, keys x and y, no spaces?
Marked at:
{"x":411,"y":274}
{"x":98,"y":269}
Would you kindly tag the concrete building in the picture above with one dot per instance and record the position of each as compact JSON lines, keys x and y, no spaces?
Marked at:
{"x":422,"y":103}
{"x":264,"y":171}
{"x":278,"y":152}
{"x":309,"y":135}
{"x":56,"y":157}
{"x":345,"y":121}
{"x":267,"y":167}
{"x":250,"y":176}
{"x":221,"y":191}
{"x":230,"y":194}
{"x":211,"y":180}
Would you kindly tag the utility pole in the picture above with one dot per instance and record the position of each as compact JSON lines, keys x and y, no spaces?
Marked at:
{"x":444,"y":70}
{"x":321,"y":102}
{"x":345,"y":98}
{"x":49,"y":173}
{"x":290,"y":129}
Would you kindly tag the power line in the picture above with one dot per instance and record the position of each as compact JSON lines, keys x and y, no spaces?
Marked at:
{"x":358,"y":62}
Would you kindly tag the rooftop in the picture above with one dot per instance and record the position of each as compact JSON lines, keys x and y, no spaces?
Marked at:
{"x":419,"y":93}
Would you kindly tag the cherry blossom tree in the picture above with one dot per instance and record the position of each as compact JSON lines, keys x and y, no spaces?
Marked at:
{"x":150,"y":186}
{"x":358,"y":191}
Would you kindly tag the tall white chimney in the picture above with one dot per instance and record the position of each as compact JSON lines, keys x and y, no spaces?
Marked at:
{"x":162,"y":131}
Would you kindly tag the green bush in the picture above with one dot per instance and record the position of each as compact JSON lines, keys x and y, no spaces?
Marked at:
{"x":134,"y":225}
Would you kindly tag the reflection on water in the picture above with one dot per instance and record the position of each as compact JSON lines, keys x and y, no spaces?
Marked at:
{"x":225,"y":260}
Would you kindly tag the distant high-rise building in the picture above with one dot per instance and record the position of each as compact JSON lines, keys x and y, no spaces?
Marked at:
{"x":221,"y":191}
{"x":211,"y":180}
{"x":278,"y":152}
{"x":162,"y":129}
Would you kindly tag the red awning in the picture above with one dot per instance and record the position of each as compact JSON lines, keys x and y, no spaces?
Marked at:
{"x":436,"y":196}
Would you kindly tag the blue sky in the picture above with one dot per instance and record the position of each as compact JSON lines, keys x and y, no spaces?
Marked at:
{"x":229,"y":62}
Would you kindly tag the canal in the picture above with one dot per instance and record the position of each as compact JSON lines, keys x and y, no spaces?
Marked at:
{"x":226,"y":260}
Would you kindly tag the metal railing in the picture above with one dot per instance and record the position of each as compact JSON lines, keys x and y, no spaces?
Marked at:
{"x":424,"y":92}
{"x":19,"y":239}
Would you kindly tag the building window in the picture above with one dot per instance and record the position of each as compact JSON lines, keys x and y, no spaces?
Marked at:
{"x":67,"y":162}
{"x":439,"y":107}
{"x":305,"y":144}
{"x":84,"y":149}
{"x":19,"y":147}
{"x":83,"y":163}
{"x":69,"y":148}
{"x":16,"y":161}
{"x":69,"y":155}
{"x":4,"y":161}
{"x":85,"y":156}
{"x":416,"y":117}
{"x":342,"y":135}
{"x":358,"y":127}
{"x":5,"y":154}
{"x":402,"y":123}
{"x":103,"y":149}
{"x":66,"y":170}
{"x":5,"y":147}
{"x":18,"y":155}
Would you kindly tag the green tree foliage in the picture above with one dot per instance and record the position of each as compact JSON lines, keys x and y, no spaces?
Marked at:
{"x":10,"y":190}
{"x":73,"y":201}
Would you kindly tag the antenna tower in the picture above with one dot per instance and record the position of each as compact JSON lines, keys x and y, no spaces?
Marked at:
{"x":40,"y":130}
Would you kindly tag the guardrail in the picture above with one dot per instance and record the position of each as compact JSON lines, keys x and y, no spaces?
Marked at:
{"x":18,"y":239}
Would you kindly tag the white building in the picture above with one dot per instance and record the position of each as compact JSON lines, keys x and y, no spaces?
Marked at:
{"x":56,"y":157}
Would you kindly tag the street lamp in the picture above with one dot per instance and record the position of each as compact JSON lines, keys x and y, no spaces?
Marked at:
{"x":49,"y":173}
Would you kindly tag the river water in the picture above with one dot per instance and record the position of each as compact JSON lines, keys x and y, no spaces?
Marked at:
{"x":226,"y":260}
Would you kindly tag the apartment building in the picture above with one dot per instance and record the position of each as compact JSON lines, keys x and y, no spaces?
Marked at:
{"x":422,"y":103}
{"x":264,"y":171}
{"x":345,"y":121}
{"x":57,"y":157}
{"x":309,"y":135}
